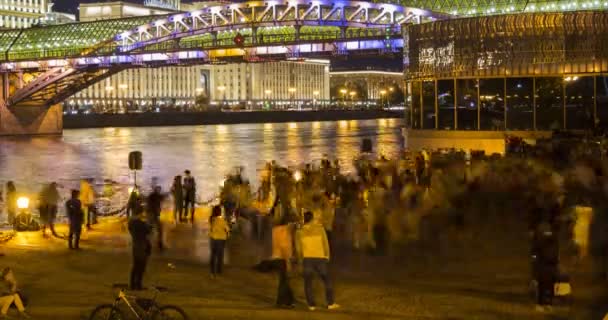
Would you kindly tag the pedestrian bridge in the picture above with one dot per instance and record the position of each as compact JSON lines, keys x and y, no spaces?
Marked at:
{"x":43,"y":66}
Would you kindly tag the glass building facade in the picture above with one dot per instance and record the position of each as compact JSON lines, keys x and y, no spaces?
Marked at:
{"x":531,"y":71}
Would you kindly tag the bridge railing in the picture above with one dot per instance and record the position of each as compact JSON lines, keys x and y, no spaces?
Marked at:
{"x":208,"y":43}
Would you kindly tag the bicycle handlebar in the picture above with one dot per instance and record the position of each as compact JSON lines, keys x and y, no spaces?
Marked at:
{"x":124,"y":286}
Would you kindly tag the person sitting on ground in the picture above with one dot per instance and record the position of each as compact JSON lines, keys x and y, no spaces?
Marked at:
{"x":12,"y":296}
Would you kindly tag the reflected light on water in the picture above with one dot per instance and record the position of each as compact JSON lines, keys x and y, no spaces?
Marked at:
{"x":221,"y":129}
{"x":208,"y":151}
{"x":343,"y":124}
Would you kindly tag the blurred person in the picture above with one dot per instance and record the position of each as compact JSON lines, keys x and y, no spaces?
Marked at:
{"x":312,"y":248}
{"x":177,"y":191}
{"x":546,"y":255}
{"x":218,"y":234}
{"x":155,"y":200}
{"x":87,"y":199}
{"x":282,"y":255}
{"x":49,"y":197}
{"x":11,"y":202}
{"x":12,"y":296}
{"x":189,"y":194}
{"x":141,"y":248}
{"x":73,"y":208}
{"x":328,"y":214}
{"x":134,"y":203}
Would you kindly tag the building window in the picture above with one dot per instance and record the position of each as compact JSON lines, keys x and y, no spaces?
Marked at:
{"x":520,"y":111}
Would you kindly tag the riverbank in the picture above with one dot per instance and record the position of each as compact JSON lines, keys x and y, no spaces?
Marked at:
{"x":81,"y":121}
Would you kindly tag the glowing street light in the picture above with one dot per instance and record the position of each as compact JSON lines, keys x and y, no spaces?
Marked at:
{"x":292,"y":92}
{"x":382,"y":94}
{"x":23,"y":202}
{"x":314,"y":102}
{"x":222,"y":89}
{"x":343,"y":92}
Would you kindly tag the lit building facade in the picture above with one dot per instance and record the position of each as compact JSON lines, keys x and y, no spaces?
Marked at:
{"x":255,"y":86}
{"x":117,"y":9}
{"x":21,"y":13}
{"x":374,"y":84}
{"x":281,"y":82}
{"x":517,"y":72}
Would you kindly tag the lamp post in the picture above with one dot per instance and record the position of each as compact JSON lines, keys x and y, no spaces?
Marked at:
{"x":314,"y":100}
{"x":222,"y":89}
{"x":343,"y":92}
{"x":292,"y":92}
{"x":109,"y":90}
{"x":267,"y":93}
{"x":382,"y":94}
{"x":352,"y":98}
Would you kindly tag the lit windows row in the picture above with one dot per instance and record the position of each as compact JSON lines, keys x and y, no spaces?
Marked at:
{"x":526,"y":103}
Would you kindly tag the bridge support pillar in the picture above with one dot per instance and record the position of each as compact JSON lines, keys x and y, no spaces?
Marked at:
{"x":214,"y":38}
{"x":342,"y":32}
{"x":28,"y":119}
{"x":297,"y":28}
{"x":254,"y":35}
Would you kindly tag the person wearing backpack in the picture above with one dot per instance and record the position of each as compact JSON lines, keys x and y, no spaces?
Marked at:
{"x":189,"y":195}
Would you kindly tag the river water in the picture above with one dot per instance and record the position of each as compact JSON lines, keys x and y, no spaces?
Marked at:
{"x":208,"y":151}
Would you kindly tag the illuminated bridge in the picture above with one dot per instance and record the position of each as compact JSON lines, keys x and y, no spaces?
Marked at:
{"x":41,"y":67}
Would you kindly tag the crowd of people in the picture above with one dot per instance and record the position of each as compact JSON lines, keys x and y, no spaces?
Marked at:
{"x":376,"y":208}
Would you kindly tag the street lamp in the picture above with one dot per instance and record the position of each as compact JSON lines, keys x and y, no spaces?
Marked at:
{"x":352,"y":97}
{"x":343,"y":92}
{"x":222,"y":89}
{"x":314,"y":102}
{"x":292,"y":92}
{"x":382,"y":94}
{"x":268,"y":93}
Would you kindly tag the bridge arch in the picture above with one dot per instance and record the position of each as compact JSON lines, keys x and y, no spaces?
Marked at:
{"x":252,"y":16}
{"x":194,"y":36}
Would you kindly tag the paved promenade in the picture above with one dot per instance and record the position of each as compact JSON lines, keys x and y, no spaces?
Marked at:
{"x":64,"y":284}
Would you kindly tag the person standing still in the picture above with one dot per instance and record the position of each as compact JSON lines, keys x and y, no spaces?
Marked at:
{"x":73,"y":208}
{"x":155,"y":200}
{"x":282,"y":253}
{"x":87,"y":198}
{"x":189,"y":195}
{"x":313,"y":249}
{"x":49,"y":197}
{"x":11,"y":202}
{"x":177,"y":191}
{"x":142,"y":248}
{"x":218,"y":233}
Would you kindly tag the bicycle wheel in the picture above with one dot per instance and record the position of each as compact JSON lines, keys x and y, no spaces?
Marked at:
{"x":170,"y":313}
{"x":106,"y":312}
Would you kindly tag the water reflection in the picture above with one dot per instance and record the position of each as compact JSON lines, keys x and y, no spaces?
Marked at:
{"x":208,"y":151}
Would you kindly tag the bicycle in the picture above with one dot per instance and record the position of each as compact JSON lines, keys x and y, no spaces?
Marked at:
{"x":141,"y":308}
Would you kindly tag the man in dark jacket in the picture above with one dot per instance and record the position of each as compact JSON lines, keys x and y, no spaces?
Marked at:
{"x":189,"y":194}
{"x":155,"y":200}
{"x":140,"y":232}
{"x":73,"y":207}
